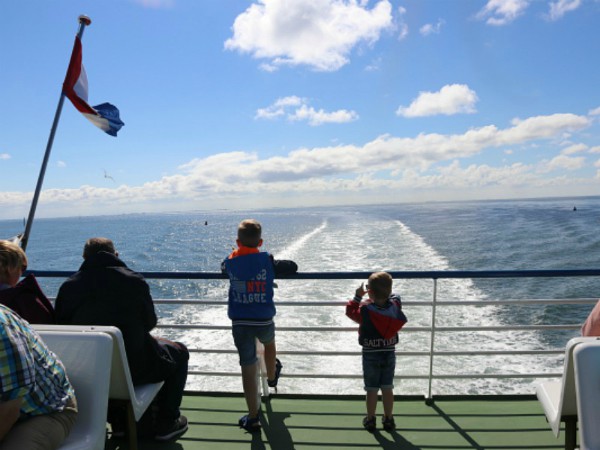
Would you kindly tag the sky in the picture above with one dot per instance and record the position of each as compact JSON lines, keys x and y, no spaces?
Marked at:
{"x":232,"y":104}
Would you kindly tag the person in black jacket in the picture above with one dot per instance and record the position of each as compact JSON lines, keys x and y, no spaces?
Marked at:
{"x":106,"y":292}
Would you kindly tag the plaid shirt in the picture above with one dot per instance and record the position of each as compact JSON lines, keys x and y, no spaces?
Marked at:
{"x":28,"y":369}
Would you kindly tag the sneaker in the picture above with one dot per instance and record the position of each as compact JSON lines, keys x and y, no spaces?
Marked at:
{"x":369,"y":424}
{"x":388,"y":423}
{"x":273,"y":383}
{"x":250,"y":424}
{"x":175,"y":431}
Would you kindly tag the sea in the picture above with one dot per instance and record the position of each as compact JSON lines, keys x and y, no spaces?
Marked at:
{"x":550,"y":233}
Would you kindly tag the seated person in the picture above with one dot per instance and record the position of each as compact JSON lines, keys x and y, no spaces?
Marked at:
{"x":25,"y":297}
{"x":37,"y":402}
{"x":106,"y":292}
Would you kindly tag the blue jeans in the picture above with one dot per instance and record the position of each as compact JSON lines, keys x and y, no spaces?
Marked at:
{"x":378,"y":370}
{"x":244,"y":337}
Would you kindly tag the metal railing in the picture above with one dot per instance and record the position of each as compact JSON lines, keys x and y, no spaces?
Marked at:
{"x":433,"y":353}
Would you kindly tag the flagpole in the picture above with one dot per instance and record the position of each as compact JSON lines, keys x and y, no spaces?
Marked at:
{"x":83,"y":22}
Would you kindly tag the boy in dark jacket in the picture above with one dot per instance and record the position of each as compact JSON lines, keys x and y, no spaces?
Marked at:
{"x":380,"y":319}
{"x":251,"y":310}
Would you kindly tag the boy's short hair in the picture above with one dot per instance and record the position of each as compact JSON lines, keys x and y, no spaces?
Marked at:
{"x":98,"y":244}
{"x":381,"y":285}
{"x":249,"y":232}
{"x":11,"y":257}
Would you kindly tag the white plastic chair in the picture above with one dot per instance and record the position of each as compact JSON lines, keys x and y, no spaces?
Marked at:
{"x":87,"y":360}
{"x":559,"y":399}
{"x":587,"y":381}
{"x":136,"y":398}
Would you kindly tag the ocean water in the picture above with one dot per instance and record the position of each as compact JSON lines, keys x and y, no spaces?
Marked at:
{"x":485,"y":235}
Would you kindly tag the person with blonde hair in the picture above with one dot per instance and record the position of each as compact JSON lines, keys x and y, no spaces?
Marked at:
{"x":26,"y":297}
{"x":380,"y":318}
{"x":251,"y":310}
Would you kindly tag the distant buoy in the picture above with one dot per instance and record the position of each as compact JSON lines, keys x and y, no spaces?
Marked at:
{"x":574,"y":208}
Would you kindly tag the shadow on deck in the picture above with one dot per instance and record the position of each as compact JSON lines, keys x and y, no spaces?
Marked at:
{"x":336,"y":423}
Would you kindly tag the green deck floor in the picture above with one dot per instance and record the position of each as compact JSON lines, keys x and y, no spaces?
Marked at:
{"x":337,"y":424}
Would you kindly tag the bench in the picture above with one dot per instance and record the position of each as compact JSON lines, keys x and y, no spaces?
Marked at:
{"x":87,"y":360}
{"x":587,"y":383}
{"x":559,"y":399}
{"x":136,"y":398}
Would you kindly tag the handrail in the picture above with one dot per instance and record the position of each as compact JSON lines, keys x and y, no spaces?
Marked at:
{"x":433,"y":329}
{"x":417,"y":274}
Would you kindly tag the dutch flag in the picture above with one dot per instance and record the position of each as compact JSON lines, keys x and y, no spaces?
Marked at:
{"x":75,"y":87}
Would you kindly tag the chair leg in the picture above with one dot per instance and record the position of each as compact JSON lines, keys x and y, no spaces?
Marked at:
{"x":570,"y":433}
{"x":131,"y":428}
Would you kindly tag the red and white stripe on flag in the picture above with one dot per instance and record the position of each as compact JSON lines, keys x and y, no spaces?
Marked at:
{"x":75,"y":87}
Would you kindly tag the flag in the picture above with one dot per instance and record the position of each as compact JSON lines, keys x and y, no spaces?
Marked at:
{"x":105,"y":116}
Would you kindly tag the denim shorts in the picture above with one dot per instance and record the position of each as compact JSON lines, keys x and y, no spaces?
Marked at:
{"x":244,"y":337}
{"x":378,"y":370}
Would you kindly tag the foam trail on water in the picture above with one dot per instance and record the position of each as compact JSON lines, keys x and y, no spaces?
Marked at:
{"x":465,"y":289}
{"x":290,"y":251}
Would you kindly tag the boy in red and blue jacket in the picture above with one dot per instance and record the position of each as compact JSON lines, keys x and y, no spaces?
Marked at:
{"x":380,"y":318}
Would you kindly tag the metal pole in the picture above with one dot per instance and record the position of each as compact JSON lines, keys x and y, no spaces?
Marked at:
{"x":83,"y":22}
{"x":429,"y":400}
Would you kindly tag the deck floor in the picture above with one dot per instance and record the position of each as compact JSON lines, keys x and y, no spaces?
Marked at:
{"x":291,"y":423}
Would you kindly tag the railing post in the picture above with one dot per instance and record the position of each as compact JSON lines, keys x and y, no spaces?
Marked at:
{"x":429,"y":400}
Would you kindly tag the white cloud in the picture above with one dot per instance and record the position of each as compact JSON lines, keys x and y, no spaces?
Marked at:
{"x":502,"y":12}
{"x":403,"y":31}
{"x":156,"y":4}
{"x":385,"y":163}
{"x":595,"y":149}
{"x":374,"y":66}
{"x":594,"y":112}
{"x":402,"y":25}
{"x":320,"y":117}
{"x":559,"y":8}
{"x":451,"y":99}
{"x":279,"y":107}
{"x":317,"y":33}
{"x":296,"y":109}
{"x":4,"y":156}
{"x":61,"y":164}
{"x":562,"y":162}
{"x":430,"y":28}
{"x":575,"y":148}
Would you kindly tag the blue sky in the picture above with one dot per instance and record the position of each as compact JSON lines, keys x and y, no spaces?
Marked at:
{"x":241,"y":104}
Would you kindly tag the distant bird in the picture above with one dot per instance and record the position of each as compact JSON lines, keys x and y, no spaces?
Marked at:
{"x":106,"y":175}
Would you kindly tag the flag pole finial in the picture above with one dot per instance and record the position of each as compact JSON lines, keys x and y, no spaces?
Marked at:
{"x":83,"y":19}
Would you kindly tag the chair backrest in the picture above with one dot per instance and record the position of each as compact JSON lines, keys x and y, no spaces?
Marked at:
{"x":87,"y":360}
{"x":587,"y":380}
{"x":121,"y":384}
{"x":568,"y":399}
